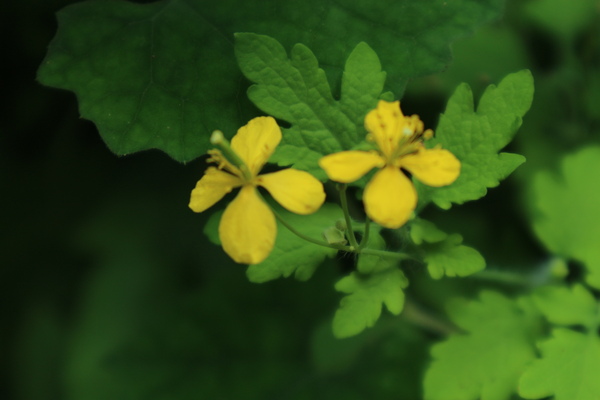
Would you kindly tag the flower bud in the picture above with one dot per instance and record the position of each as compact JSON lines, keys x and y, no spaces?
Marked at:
{"x":333,"y":235}
{"x":341,"y":224}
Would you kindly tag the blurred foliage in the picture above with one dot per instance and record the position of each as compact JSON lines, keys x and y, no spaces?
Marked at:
{"x":568,"y":214}
{"x":571,"y":356}
{"x":487,"y":361}
{"x":112,"y":291}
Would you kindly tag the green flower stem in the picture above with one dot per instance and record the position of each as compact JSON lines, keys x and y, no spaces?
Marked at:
{"x":365,"y":238}
{"x":416,"y":315}
{"x":349,"y":249}
{"x":218,"y":139}
{"x":308,"y":238}
{"x":387,"y":254}
{"x":508,"y":278}
{"x":351,"y":238}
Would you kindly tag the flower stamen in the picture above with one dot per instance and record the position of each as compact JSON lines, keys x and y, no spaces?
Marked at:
{"x":227,"y":159}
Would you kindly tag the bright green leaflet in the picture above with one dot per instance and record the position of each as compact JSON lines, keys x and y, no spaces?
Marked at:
{"x":164,"y":76}
{"x":293,"y":255}
{"x":475,"y":137}
{"x":567,"y":306}
{"x":366,"y":296}
{"x":567,"y":218}
{"x":485,"y":362}
{"x":444,"y":254}
{"x":568,"y":369}
{"x":296,"y":91}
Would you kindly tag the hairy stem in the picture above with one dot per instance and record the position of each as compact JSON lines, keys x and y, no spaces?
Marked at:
{"x":508,"y":278}
{"x":353,"y":248}
{"x":365,"y":238}
{"x":308,"y":238}
{"x":344,"y":201}
{"x":387,"y":254}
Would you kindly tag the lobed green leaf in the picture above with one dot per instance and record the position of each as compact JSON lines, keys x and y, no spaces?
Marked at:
{"x":444,"y":254}
{"x":141,"y":74}
{"x":296,"y":90}
{"x":570,"y":360}
{"x":486,"y":361}
{"x":475,"y":137}
{"x":568,"y":369}
{"x":567,"y":306}
{"x":366,"y":296}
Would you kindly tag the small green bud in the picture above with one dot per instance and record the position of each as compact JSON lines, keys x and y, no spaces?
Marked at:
{"x":341,"y":224}
{"x":217,"y":138}
{"x":558,"y":268}
{"x":333,"y":235}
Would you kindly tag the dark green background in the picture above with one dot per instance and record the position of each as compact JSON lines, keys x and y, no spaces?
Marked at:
{"x":110,"y":289}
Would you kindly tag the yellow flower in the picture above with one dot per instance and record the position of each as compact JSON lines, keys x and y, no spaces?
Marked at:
{"x":247,"y":228}
{"x":390,"y":197}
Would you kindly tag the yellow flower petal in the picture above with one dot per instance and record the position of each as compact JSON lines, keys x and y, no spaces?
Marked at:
{"x":256,"y":141}
{"x":211,"y":188}
{"x":349,"y":166}
{"x":247,"y":229}
{"x":297,"y":191}
{"x":390,"y":198}
{"x":433,"y":167}
{"x":386,"y":125}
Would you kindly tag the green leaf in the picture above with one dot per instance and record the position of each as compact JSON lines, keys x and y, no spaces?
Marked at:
{"x":163,"y":75}
{"x":485,"y":362}
{"x":422,"y":231}
{"x":568,"y":217}
{"x":444,"y":254}
{"x":296,"y":90}
{"x":567,"y":306}
{"x":475,"y":137}
{"x":568,"y":369}
{"x":450,"y":258}
{"x":293,"y":255}
{"x":141,"y":72}
{"x":366,"y":295}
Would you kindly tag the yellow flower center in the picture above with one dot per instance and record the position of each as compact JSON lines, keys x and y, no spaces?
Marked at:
{"x":238,"y":167}
{"x":410,"y":136}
